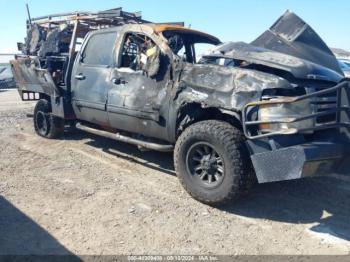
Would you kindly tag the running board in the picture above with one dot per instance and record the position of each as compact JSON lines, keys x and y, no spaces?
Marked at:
{"x":126,"y":139}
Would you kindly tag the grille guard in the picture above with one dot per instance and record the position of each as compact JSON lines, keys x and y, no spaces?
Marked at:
{"x":249,"y":123}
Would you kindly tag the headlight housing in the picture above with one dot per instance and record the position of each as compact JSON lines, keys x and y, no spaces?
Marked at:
{"x":285,"y":114}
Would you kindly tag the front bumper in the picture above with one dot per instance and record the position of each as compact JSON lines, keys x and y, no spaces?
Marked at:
{"x":300,"y":161}
{"x":289,"y":154}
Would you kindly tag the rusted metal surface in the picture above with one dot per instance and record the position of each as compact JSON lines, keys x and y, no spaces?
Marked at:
{"x":53,"y":35}
{"x":73,"y":42}
{"x":113,"y":16}
{"x":30,"y":77}
{"x":177,"y":28}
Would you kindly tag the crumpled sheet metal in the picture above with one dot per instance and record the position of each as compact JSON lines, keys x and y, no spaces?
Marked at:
{"x":30,"y":78}
{"x":293,"y":36}
{"x":299,"y":68}
{"x":227,"y":88}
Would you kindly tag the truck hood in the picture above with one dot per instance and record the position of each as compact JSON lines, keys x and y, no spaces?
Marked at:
{"x":290,"y":45}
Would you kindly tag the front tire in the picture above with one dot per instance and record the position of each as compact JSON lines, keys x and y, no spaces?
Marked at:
{"x":212,"y":162}
{"x":45,"y":124}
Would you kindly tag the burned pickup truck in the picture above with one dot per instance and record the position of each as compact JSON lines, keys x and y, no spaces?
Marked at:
{"x":273,"y":110}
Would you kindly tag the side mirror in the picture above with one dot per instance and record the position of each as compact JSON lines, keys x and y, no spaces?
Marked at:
{"x":20,"y":46}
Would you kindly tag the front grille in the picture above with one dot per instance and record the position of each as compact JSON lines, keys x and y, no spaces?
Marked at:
{"x":324,"y":103}
{"x":330,"y":111}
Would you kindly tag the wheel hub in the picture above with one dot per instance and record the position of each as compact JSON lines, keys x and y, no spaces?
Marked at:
{"x":209,"y":163}
{"x":205,"y":165}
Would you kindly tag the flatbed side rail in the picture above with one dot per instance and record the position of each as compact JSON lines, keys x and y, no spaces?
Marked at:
{"x":109,"y":16}
{"x":249,"y":123}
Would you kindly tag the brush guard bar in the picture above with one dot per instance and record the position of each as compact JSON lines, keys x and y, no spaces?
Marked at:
{"x":339,"y":109}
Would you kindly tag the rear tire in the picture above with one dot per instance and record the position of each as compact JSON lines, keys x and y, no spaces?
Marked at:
{"x":45,"y":124}
{"x":212,"y":162}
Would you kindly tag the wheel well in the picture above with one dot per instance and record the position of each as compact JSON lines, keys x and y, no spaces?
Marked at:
{"x":192,"y":113}
{"x":47,"y":98}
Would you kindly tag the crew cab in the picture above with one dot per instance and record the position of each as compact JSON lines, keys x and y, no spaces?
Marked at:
{"x":273,"y":110}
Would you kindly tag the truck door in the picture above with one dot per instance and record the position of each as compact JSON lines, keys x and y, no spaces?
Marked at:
{"x":137,"y":101}
{"x":91,"y":77}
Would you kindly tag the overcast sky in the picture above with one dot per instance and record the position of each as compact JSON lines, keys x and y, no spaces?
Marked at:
{"x":235,"y":20}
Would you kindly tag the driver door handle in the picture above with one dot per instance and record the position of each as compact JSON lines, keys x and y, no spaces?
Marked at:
{"x":119,"y":81}
{"x":80,"y":77}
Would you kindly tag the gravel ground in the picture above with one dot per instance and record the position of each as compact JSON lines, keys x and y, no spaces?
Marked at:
{"x":87,"y":195}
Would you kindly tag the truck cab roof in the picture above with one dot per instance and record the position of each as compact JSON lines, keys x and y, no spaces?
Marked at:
{"x":204,"y":37}
{"x":192,"y":35}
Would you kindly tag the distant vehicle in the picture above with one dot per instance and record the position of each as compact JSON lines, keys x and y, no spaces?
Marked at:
{"x":276,"y":109}
{"x":345,"y":66}
{"x":6,"y":77}
{"x":345,"y":61}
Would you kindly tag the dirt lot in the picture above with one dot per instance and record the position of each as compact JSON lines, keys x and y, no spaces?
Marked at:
{"x":89,"y":195}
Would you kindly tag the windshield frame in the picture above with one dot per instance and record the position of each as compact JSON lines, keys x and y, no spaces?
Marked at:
{"x":190,"y":39}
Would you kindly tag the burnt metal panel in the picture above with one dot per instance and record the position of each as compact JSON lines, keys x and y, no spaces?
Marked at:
{"x":223,"y":87}
{"x":112,"y":16}
{"x":30,"y":77}
{"x":89,"y":94}
{"x":291,"y":35}
{"x":299,"y":68}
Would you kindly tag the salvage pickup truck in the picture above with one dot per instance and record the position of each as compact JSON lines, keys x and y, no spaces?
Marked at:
{"x":273,"y":110}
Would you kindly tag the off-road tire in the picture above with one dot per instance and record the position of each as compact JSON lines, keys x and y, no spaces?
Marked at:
{"x":54,"y":125}
{"x":229,"y":143}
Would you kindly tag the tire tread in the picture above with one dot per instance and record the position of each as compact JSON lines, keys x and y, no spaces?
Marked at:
{"x":233,"y":142}
{"x":56,"y":124}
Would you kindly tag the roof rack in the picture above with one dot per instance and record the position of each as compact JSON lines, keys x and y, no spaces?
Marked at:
{"x":114,"y":16}
{"x":76,"y":25}
{"x":110,"y":17}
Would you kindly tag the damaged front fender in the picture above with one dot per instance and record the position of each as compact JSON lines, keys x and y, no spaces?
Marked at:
{"x":226,"y":88}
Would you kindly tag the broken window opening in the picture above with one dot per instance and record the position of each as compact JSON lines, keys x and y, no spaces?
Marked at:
{"x":140,"y":53}
{"x":188,"y":45}
{"x":99,"y":49}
